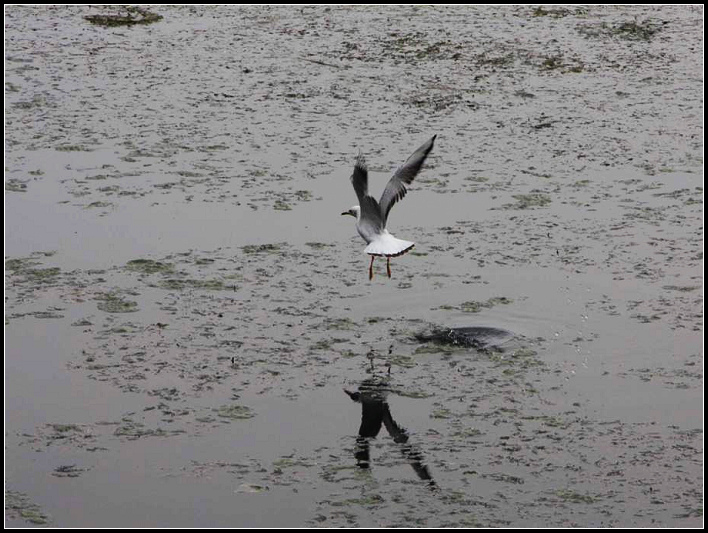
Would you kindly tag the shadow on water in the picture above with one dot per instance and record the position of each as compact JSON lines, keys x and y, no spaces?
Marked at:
{"x":372,"y":395}
{"x":375,"y":412}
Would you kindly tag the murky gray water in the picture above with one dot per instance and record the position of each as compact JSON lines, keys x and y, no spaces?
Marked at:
{"x":185,"y":308}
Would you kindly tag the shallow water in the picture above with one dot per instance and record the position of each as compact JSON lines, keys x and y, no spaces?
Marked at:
{"x":184,"y":305}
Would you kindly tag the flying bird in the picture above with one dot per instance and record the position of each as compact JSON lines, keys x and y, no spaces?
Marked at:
{"x":371,"y":216}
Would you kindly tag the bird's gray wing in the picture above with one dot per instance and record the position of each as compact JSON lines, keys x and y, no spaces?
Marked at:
{"x":360,"y":178}
{"x":396,"y":187}
{"x":370,"y":218}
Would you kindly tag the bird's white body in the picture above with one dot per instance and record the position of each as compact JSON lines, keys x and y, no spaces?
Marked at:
{"x":386,"y":245}
{"x":380,"y":241}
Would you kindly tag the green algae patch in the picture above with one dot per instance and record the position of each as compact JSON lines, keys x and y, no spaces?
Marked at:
{"x":235,"y":412}
{"x":571,"y":496}
{"x":281,"y":205}
{"x":27,"y":267}
{"x":476,"y":307}
{"x":528,"y":201}
{"x":262,"y":248}
{"x":199,"y":284}
{"x":18,"y":505}
{"x":72,"y":148}
{"x":631,"y":31}
{"x":553,"y":13}
{"x":135,"y":430}
{"x":148,"y":266}
{"x":67,"y":471}
{"x":129,"y":16}
{"x":112,"y":303}
{"x":15,"y":185}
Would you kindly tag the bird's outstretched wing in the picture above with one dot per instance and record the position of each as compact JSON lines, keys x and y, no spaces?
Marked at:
{"x":360,"y":178}
{"x":370,"y":218}
{"x":396,"y":187}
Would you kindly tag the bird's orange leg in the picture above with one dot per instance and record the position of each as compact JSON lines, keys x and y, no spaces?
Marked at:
{"x":388,"y":266}
{"x":371,"y":268}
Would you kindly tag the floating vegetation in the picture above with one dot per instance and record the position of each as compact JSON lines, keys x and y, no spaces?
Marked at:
{"x":687,"y":288}
{"x":552,"y":62}
{"x":39,"y":314}
{"x":251,"y":488}
{"x":27,"y":268}
{"x":199,"y":284}
{"x":409,"y":47}
{"x":571,"y":496}
{"x":633,"y":31}
{"x":67,"y":471}
{"x":441,"y":412}
{"x":557,"y":13}
{"x":235,"y":412}
{"x":130,"y":16}
{"x":319,"y":245}
{"x":303,"y":196}
{"x":148,"y":266}
{"x":72,"y":148}
{"x":562,"y":64}
{"x":437,"y":102}
{"x":63,"y":429}
{"x":135,"y":430}
{"x":15,"y":185}
{"x":112,"y":303}
{"x":281,"y":205}
{"x":19,"y":264}
{"x":262,"y":248}
{"x":340,"y":323}
{"x":476,"y":307}
{"x":499,"y":59}
{"x":19,"y":505}
{"x":528,"y":201}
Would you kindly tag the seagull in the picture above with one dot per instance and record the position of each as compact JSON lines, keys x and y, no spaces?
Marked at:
{"x":371,"y":216}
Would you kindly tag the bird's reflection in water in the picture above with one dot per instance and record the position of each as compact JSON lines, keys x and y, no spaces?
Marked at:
{"x":375,"y":412}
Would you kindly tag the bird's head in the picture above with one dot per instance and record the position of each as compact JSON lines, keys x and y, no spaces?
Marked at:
{"x":354,"y":211}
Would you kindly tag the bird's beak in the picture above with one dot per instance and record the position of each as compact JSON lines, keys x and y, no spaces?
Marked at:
{"x":345,"y":213}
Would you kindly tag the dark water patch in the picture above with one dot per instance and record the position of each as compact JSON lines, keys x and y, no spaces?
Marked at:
{"x":478,"y":337}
